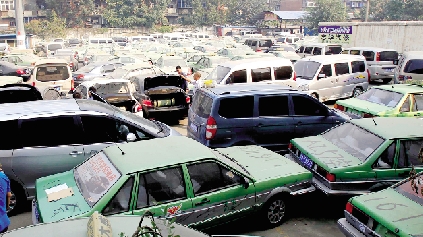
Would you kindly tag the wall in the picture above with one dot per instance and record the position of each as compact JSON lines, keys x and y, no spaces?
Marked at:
{"x":399,"y":35}
{"x":291,"y":5}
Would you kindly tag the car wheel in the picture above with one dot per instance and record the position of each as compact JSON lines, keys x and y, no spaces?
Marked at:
{"x":51,"y":94}
{"x":357,"y":91}
{"x":386,"y":80}
{"x":17,"y":200}
{"x":274,"y":211}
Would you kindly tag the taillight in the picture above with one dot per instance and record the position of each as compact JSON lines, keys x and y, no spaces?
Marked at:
{"x":368,"y":75}
{"x":188,"y":99}
{"x":258,"y":50}
{"x":330,"y":177}
{"x":378,"y":56}
{"x":366,"y":115}
{"x":80,"y":76}
{"x":290,"y":146}
{"x":33,"y":83}
{"x":147,"y":103}
{"x":33,"y":64}
{"x":71,"y":65}
{"x":211,"y":128}
{"x":20,"y":71}
{"x":295,"y":76}
{"x":72,"y":85}
{"x":339,"y":107}
{"x":349,"y":207}
{"x":138,"y":108}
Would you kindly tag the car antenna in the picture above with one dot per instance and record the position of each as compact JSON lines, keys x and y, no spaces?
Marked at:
{"x":372,"y":117}
{"x":123,"y":153}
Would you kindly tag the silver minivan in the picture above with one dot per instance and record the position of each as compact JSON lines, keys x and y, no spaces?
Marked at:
{"x":313,"y":49}
{"x":259,"y":45}
{"x":381,"y":62}
{"x":410,"y":67}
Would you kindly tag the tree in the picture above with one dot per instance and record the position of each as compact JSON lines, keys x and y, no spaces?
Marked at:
{"x":326,"y":11}
{"x":50,"y":28}
{"x":37,"y":27}
{"x":207,"y":12}
{"x":394,"y":10}
{"x":244,"y":11}
{"x":75,"y":12}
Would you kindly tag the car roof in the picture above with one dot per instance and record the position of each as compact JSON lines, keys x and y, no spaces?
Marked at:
{"x":252,"y":88}
{"x":332,"y":58}
{"x":50,"y":61}
{"x":155,"y":153}
{"x":392,"y":127}
{"x":253,"y":62}
{"x":103,"y":81}
{"x":402,"y":88}
{"x":370,"y":49}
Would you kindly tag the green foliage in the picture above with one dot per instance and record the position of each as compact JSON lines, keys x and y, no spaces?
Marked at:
{"x":244,"y":11}
{"x":326,"y":11}
{"x":394,"y":10}
{"x":53,"y":27}
{"x":162,"y":29}
{"x":75,"y":13}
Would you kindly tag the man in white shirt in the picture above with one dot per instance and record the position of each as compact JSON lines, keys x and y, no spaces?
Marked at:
{"x":196,"y":82}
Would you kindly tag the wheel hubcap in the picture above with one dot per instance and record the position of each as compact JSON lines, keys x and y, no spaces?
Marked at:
{"x":276,"y":211}
{"x":357,"y":93}
{"x":12,"y":202}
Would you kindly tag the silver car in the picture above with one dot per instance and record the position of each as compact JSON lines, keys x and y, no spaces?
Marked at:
{"x":42,"y":138}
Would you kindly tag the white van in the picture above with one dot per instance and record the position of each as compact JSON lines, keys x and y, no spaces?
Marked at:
{"x":252,"y":70}
{"x":142,"y":38}
{"x":410,"y":67}
{"x":200,"y":36}
{"x":52,"y":77}
{"x":312,"y":49}
{"x":100,"y":41}
{"x":331,"y":77}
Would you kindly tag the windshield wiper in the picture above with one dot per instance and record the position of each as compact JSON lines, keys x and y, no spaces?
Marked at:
{"x":233,"y":160}
{"x":158,"y":125}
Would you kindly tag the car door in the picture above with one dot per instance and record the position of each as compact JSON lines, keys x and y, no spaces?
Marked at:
{"x":218,"y":193}
{"x":409,"y":157}
{"x":164,"y":192}
{"x":384,"y":166}
{"x":416,"y":105}
{"x":8,"y":143}
{"x":310,"y":116}
{"x":275,"y":127}
{"x":325,"y":81}
{"x":341,"y":79}
{"x":50,"y":145}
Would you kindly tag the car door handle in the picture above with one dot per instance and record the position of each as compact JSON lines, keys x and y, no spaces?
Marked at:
{"x":204,"y":201}
{"x":75,"y":153}
{"x":299,"y":123}
{"x":404,"y":174}
{"x":259,"y":125}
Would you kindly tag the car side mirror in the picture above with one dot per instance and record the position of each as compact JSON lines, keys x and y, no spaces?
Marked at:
{"x":396,"y":62}
{"x":245,"y":182}
{"x":228,"y":80}
{"x":321,"y":76}
{"x":130,"y":137}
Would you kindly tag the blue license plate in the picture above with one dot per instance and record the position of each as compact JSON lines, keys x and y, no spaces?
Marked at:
{"x":389,"y":69}
{"x":307,"y":162}
{"x":193,"y":127}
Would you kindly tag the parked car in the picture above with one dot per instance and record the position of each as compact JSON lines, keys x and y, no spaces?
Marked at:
{"x":362,"y":155}
{"x":313,"y":49}
{"x":331,"y":77}
{"x":116,"y":92}
{"x":10,"y":69}
{"x":55,"y":136}
{"x":381,"y":62}
{"x":259,"y":44}
{"x":260,"y":114}
{"x":74,"y":43}
{"x":26,"y":60}
{"x":161,"y":95}
{"x":410,"y":67}
{"x":385,"y":101}
{"x":168,"y":64}
{"x":94,"y":70}
{"x":69,"y":56}
{"x":200,"y":188}
{"x":395,"y":211}
{"x":15,"y":93}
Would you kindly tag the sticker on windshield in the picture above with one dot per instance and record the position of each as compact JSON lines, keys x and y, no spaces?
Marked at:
{"x":95,"y":177}
{"x":230,"y":174}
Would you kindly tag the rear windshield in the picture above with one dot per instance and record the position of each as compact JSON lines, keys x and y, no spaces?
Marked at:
{"x":334,"y":49}
{"x":112,"y":88}
{"x":95,"y":177}
{"x":52,"y":73}
{"x":412,"y":189}
{"x":388,"y":56}
{"x":218,"y":73}
{"x":54,"y":47}
{"x":162,"y":81}
{"x":353,"y":140}
{"x":16,"y":95}
{"x":265,"y":43}
{"x":201,"y":105}
{"x":382,"y":97}
{"x":414,"y":66}
{"x":306,"y":69}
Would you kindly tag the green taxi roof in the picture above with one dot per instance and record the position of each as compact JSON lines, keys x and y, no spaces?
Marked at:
{"x":392,"y":127}
{"x":160,"y":152}
{"x":402,"y":88}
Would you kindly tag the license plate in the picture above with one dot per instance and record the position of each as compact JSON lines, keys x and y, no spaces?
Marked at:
{"x":307,"y":162}
{"x":57,"y":88}
{"x":389,"y":69}
{"x":354,"y":112}
{"x":193,"y":127}
{"x":35,"y":214}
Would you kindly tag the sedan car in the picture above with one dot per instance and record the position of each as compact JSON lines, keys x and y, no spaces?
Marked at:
{"x":395,"y":211}
{"x":94,"y":70}
{"x":201,"y":188}
{"x":26,"y":60}
{"x":403,"y":100}
{"x":361,"y":156}
{"x":10,"y":69}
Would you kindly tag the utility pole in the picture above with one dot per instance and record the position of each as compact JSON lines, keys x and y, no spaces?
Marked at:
{"x":367,"y":10}
{"x":19,"y":18}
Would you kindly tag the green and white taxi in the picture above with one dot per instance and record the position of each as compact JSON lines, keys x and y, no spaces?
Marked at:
{"x":395,"y":211}
{"x":175,"y":177}
{"x":400,"y":100}
{"x":362,"y":155}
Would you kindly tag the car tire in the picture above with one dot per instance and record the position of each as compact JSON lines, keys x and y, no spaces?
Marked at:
{"x":274,"y":211}
{"x":386,"y":80}
{"x":356,"y":92}
{"x":18,"y":199}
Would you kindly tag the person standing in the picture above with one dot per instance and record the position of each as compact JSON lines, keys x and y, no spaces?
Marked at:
{"x":183,"y":76}
{"x":5,"y":194}
{"x":196,"y":82}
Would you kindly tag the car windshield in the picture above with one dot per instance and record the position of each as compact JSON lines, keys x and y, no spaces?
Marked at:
{"x":414,"y":66}
{"x":112,"y":88}
{"x":382,"y":97}
{"x":87,"y":68}
{"x":412,"y":189}
{"x":54,"y":47}
{"x":354,"y":140}
{"x":174,"y":62}
{"x":218,"y":73}
{"x":95,"y":177}
{"x":306,"y":69}
{"x":335,"y":49}
{"x":118,"y":73}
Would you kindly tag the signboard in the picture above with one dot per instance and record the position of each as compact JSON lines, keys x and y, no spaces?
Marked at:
{"x":335,"y":34}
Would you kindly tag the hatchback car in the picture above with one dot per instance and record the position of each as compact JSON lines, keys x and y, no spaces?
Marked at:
{"x":410,"y":67}
{"x":93,"y":70}
{"x":395,"y":211}
{"x":385,"y":101}
{"x":362,"y":155}
{"x":54,"y":136}
{"x":201,"y":188}
{"x":260,"y":114}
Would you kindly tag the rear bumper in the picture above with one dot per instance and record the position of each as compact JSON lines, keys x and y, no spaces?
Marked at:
{"x":380,"y":72}
{"x":177,"y":111}
{"x":347,"y":229}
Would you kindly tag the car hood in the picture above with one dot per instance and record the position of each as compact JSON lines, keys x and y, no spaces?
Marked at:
{"x":392,"y":210}
{"x":324,"y":153}
{"x":66,"y":207}
{"x":263,"y":164}
{"x":364,"y":106}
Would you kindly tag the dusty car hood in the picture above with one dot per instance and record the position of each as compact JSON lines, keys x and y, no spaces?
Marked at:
{"x":365,"y":106}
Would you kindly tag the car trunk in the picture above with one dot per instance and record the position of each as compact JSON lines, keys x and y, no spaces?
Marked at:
{"x":123,"y":102}
{"x":165,"y":91}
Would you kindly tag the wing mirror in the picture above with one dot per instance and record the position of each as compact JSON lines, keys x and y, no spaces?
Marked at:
{"x":130,"y":137}
{"x":321,"y":76}
{"x":245,"y":182}
{"x":228,"y":80}
{"x":395,"y":62}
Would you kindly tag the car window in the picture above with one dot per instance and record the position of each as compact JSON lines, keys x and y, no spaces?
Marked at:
{"x":201,"y":105}
{"x":369,"y":55}
{"x":417,"y":102}
{"x":317,"y":51}
{"x":307,"y":106}
{"x":410,"y":153}
{"x":308,"y":50}
{"x":120,"y":202}
{"x":267,"y":106}
{"x":260,"y":74}
{"x":210,"y":176}
{"x":406,"y":105}
{"x":388,"y":56}
{"x":244,"y":107}
{"x":355,"y":52}
{"x":327,"y":70}
{"x":283,"y":73}
{"x":334,"y":50}
{"x":52,"y":73}
{"x":10,"y":134}
{"x":341,"y":68}
{"x":414,"y":66}
{"x":383,"y":97}
{"x":253,"y":43}
{"x":345,"y":52}
{"x":99,"y":129}
{"x":239,"y":76}
{"x":43,"y":132}
{"x":164,"y":186}
{"x":301,"y":49}
{"x":358,"y":66}
{"x":386,"y":159}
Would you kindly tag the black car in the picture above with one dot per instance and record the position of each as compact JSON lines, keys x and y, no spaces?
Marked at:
{"x":10,"y":69}
{"x":161,"y":95}
{"x":15,"y":93}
